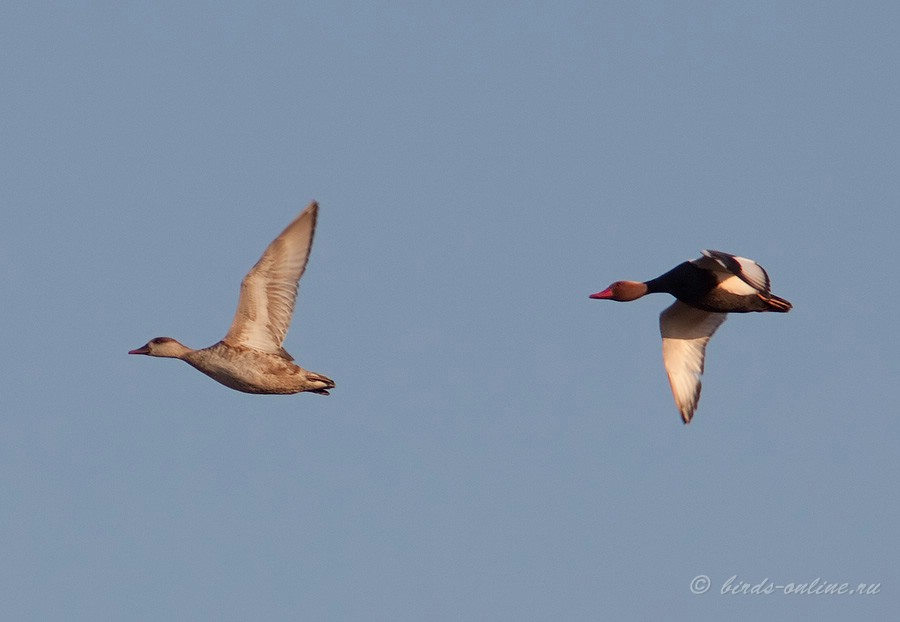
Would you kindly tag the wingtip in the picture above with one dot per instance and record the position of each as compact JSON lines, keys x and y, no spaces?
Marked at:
{"x":311,"y":208}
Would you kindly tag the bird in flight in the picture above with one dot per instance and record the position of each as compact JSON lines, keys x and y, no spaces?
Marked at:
{"x":250,"y":358}
{"x":706,"y":290}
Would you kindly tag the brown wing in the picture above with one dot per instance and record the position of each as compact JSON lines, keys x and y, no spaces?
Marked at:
{"x":269,"y":291}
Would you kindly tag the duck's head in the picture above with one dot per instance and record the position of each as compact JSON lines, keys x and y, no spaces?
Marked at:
{"x":161,"y":346}
{"x":622,"y":291}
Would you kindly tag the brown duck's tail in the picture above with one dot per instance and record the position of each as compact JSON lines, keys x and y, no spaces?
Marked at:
{"x":779,"y":305}
{"x":320,"y":384}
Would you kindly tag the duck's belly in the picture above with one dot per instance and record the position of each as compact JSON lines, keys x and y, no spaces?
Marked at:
{"x":256,"y":385}
{"x":720,"y":301}
{"x":250,"y":374}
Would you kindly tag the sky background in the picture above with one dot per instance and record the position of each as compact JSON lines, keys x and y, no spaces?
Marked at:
{"x":498,"y":447}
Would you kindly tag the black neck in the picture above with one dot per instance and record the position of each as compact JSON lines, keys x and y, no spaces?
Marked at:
{"x":684,"y":281}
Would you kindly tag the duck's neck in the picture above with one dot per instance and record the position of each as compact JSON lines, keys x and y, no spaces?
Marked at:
{"x":175,"y":350}
{"x":683,"y":281}
{"x":666,"y":283}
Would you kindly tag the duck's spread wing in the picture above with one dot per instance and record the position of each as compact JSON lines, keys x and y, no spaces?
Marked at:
{"x":269,"y":290}
{"x":685,"y":333}
{"x":745,"y":269}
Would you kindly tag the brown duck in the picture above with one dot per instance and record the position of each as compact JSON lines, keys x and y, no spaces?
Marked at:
{"x":250,"y":358}
{"x":706,"y":289}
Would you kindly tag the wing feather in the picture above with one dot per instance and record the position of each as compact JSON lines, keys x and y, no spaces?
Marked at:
{"x":745,"y":269}
{"x":269,"y":291}
{"x":685,"y":333}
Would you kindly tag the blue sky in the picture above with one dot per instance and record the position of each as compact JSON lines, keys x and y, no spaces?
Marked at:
{"x":498,"y":446}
